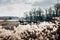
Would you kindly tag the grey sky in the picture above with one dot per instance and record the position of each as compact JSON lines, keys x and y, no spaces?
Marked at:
{"x":18,"y":7}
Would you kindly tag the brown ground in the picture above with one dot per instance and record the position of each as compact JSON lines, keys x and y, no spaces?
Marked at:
{"x":8,"y":22}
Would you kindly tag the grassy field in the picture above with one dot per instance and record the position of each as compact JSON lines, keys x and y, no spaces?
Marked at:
{"x":9,"y":23}
{"x":42,"y":31}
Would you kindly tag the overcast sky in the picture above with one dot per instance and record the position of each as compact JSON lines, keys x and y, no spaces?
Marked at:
{"x":18,"y":7}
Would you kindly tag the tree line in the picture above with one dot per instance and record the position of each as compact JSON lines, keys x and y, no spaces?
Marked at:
{"x":40,"y":15}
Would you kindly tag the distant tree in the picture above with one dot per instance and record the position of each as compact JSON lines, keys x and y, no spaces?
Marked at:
{"x":50,"y":12}
{"x":39,"y":13}
{"x":31,"y":16}
{"x":53,"y":13}
{"x":57,"y":9}
{"x":46,"y":14}
{"x":26,"y":16}
{"x":34,"y":14}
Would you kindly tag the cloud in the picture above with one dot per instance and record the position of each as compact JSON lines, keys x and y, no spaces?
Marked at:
{"x":45,"y":3}
{"x":59,"y":1}
{"x":32,"y":1}
{"x":18,"y":7}
{"x":14,"y":10}
{"x":5,"y":2}
{"x":15,"y":7}
{"x":18,"y":1}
